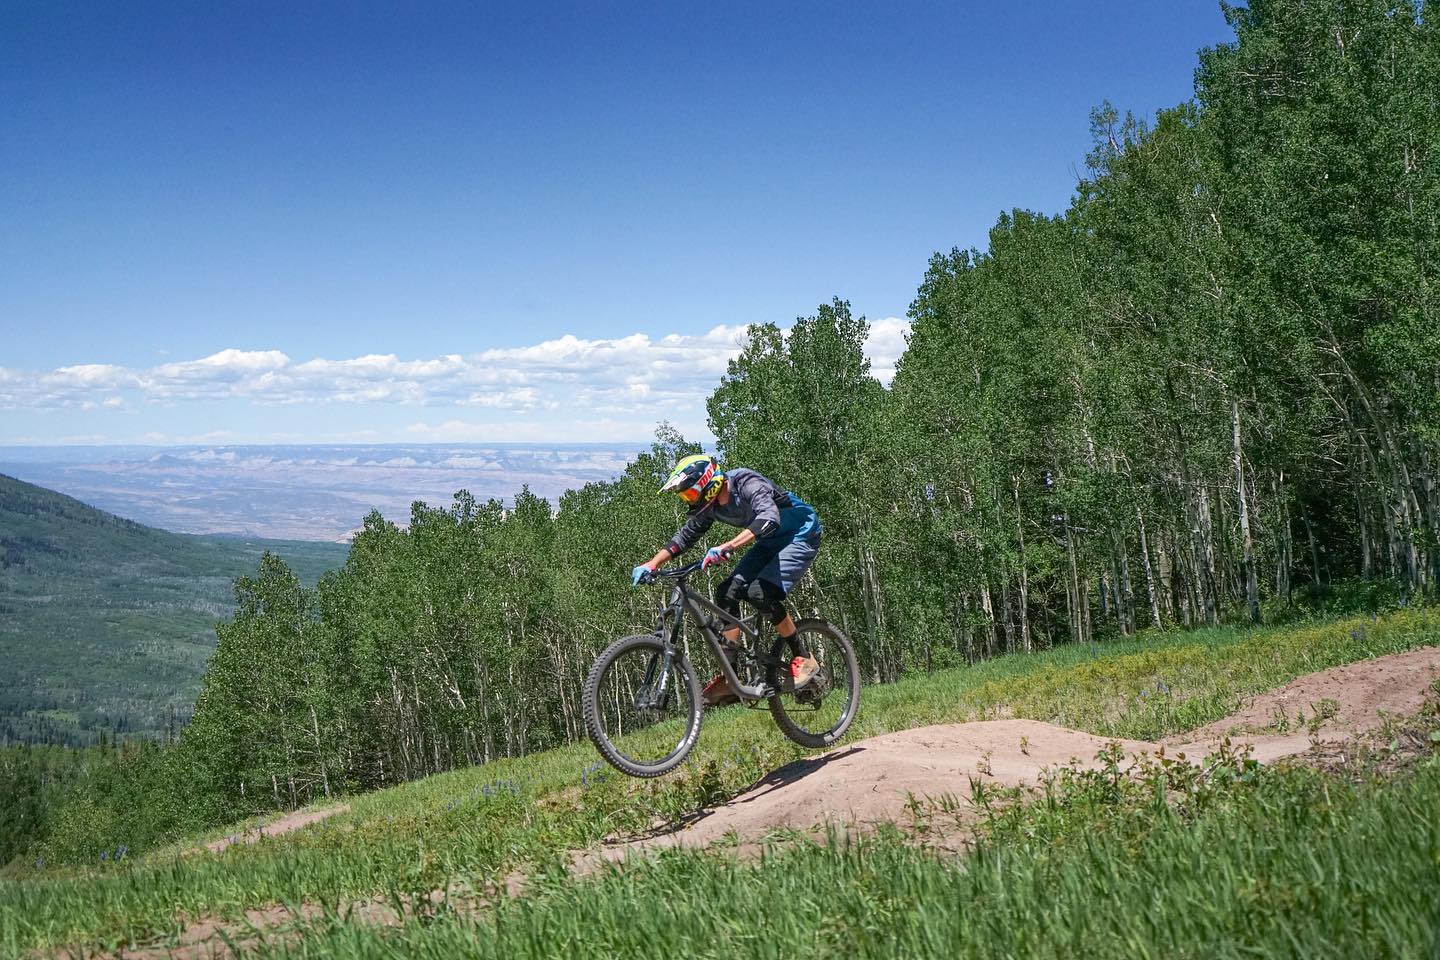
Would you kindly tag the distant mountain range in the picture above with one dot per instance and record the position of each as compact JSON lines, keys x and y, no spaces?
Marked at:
{"x":106,"y":624}
{"x":311,"y":492}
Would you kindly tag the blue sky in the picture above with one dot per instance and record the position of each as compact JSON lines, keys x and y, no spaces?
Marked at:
{"x":480,"y":221}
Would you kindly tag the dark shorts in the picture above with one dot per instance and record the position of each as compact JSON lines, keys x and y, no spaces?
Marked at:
{"x":782,"y":563}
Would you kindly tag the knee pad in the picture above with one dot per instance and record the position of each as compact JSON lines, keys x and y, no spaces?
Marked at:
{"x":728,"y":595}
{"x":768,"y":598}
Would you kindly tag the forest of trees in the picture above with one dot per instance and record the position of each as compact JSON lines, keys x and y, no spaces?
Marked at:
{"x":1204,"y":392}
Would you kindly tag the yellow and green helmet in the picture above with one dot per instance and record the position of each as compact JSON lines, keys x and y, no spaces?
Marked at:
{"x":696,"y":479}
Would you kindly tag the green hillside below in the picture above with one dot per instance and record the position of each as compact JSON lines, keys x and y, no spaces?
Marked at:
{"x":106,"y":624}
{"x":1297,"y":858}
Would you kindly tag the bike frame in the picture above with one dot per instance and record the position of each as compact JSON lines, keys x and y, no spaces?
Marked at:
{"x":670,"y":628}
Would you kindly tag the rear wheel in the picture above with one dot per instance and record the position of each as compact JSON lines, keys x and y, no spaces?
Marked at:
{"x":642,"y":706}
{"x":819,"y":713}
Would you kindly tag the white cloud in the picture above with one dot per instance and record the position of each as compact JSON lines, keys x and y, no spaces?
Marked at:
{"x":228,"y":365}
{"x":380,"y":367}
{"x":602,"y":389}
{"x":93,"y":375}
{"x":520,"y":398}
{"x":886,"y":344}
{"x":604,"y":429}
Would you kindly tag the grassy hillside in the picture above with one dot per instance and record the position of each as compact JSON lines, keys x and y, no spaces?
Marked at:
{"x":105,"y":624}
{"x":1250,"y":855}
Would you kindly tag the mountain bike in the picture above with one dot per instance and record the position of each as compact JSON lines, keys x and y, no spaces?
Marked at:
{"x":642,"y":702}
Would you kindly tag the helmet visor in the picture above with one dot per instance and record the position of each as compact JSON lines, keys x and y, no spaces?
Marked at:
{"x":690,"y":494}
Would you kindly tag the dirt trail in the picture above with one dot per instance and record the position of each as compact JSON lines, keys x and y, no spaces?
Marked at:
{"x":1338,"y":703}
{"x":286,"y":824}
{"x":202,"y":940}
{"x":873,"y":780}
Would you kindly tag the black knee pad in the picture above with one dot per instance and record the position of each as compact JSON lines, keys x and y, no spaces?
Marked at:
{"x":768,"y":598}
{"x":729,"y":594}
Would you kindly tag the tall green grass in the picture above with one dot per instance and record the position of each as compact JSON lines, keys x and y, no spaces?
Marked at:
{"x":471,"y":827}
{"x":1295,"y":864}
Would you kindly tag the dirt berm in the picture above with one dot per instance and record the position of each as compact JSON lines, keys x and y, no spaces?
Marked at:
{"x":873,"y":780}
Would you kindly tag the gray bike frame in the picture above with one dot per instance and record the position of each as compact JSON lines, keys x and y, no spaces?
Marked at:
{"x":682,"y":601}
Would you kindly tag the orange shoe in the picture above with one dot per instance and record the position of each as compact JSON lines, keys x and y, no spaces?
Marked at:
{"x":717,"y":693}
{"x":803,"y":670}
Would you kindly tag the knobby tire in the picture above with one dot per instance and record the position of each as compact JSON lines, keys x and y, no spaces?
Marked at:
{"x":783,"y":650}
{"x":688,"y":690}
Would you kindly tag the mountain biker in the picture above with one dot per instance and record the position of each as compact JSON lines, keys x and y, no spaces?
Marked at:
{"x":784,"y":529}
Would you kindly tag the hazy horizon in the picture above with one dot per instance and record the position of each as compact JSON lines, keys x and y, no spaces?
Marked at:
{"x":302,"y":491}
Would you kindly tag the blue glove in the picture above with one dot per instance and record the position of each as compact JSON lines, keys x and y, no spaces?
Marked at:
{"x":640,"y":574}
{"x":716,"y":556}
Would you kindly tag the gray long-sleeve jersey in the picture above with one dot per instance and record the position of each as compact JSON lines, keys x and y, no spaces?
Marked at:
{"x":757,"y":504}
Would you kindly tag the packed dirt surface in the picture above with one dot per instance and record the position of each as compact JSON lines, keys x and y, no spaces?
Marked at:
{"x":1327,"y":706}
{"x":286,"y":824}
{"x":212,"y":939}
{"x":874,"y":780}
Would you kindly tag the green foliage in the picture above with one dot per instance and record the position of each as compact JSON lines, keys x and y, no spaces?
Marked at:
{"x":1212,"y":377}
{"x":1132,"y":796}
{"x":105,"y":624}
{"x":33,"y":779}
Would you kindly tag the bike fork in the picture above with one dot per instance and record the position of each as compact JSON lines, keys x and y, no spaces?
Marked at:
{"x":649,"y":697}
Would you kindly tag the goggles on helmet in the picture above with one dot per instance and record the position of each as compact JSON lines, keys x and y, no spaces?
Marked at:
{"x":694,"y":478}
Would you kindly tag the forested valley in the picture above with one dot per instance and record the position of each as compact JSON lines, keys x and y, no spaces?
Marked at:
{"x":1207,"y":391}
{"x":106,"y":625}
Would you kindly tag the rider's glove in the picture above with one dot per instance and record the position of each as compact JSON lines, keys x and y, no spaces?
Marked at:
{"x":716,"y":556}
{"x":641,"y":574}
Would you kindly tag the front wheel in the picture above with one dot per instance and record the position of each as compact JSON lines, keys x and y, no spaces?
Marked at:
{"x":642,"y":706}
{"x":819,"y":713}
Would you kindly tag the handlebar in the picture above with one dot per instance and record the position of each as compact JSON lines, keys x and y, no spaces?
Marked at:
{"x":674,"y":573}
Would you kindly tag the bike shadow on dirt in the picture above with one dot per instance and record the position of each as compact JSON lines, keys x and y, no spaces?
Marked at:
{"x":792,"y":772}
{"x":776,"y":779}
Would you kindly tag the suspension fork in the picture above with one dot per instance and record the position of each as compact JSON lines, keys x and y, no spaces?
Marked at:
{"x":649,"y":696}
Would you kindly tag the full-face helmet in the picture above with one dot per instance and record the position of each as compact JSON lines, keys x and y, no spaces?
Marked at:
{"x":696,"y":479}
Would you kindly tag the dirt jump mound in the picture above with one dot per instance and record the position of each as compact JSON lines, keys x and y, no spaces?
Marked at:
{"x":875,"y":780}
